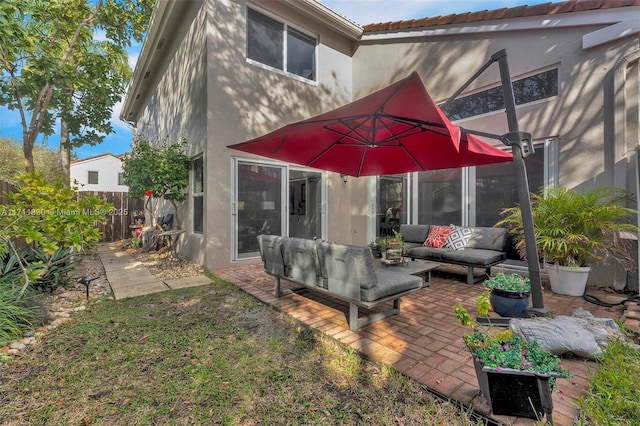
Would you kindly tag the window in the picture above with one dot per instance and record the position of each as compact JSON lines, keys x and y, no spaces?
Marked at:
{"x":197,"y":194}
{"x":277,"y":45}
{"x":391,"y":204}
{"x":496,"y":185}
{"x":526,"y":90}
{"x":121,"y":178}
{"x":444,"y":197}
{"x":92,"y":178}
{"x":440,"y":197}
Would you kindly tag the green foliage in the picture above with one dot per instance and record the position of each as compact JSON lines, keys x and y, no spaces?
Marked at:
{"x":53,"y":65}
{"x":508,"y":282}
{"x":47,"y":272}
{"x":504,"y":348}
{"x":162,"y":169}
{"x":12,"y":161}
{"x":577,"y":229}
{"x":613,"y":388}
{"x":53,"y":224}
{"x":15,"y":314}
{"x":48,"y":215}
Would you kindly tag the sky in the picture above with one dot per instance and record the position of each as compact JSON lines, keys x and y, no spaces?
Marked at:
{"x":361,"y":11}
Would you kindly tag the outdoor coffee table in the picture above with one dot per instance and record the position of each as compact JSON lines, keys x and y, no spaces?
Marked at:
{"x":411,"y":267}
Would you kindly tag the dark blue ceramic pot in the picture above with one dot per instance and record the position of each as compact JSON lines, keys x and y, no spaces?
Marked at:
{"x":509,"y":303}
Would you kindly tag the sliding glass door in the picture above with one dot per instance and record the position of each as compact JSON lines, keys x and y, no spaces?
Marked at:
{"x":259,"y":209}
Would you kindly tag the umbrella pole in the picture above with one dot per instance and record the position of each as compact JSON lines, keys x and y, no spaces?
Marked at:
{"x":513,"y":139}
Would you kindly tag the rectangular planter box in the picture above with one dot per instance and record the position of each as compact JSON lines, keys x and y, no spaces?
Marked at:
{"x":517,"y":393}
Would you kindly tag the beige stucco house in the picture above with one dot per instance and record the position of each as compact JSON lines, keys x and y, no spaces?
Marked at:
{"x":219,"y":72}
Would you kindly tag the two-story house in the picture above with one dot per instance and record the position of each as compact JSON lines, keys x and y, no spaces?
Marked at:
{"x":219,"y":72}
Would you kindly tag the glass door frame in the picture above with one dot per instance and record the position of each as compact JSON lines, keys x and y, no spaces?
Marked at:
{"x":234,"y":216}
{"x":284,"y":224}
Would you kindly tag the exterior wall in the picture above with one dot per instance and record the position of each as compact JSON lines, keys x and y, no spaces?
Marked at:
{"x":576,"y":117}
{"x":176,"y":108}
{"x":108,"y":168}
{"x":581,"y":118}
{"x":245,"y":101}
{"x":207,"y":91}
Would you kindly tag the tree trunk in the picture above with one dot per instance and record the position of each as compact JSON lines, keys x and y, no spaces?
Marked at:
{"x":27,"y":149}
{"x":65,"y":153}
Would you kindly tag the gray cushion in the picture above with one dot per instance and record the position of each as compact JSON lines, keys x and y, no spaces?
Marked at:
{"x":414,"y":233}
{"x":347,"y":268}
{"x":301,"y":260}
{"x":270,"y":247}
{"x":428,"y":253}
{"x":478,"y":257}
{"x":390,"y":282}
{"x":487,"y":238}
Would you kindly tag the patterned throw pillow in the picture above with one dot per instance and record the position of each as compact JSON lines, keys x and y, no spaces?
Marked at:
{"x":458,"y":237}
{"x":437,"y":236}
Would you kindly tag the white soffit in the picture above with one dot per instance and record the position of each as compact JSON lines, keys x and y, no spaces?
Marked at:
{"x":611,"y":33}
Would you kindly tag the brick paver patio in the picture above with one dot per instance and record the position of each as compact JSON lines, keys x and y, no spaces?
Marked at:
{"x":425,"y":342}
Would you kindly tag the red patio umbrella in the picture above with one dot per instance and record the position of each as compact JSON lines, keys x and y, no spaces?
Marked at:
{"x":398,"y":129}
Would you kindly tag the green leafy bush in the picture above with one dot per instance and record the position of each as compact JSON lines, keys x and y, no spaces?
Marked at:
{"x":47,"y":272}
{"x":16,"y":315}
{"x":53,"y":224}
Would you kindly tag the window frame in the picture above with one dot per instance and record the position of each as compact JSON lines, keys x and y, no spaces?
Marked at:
{"x":197,"y":194}
{"x":464,"y":98}
{"x":286,"y":26}
{"x":97,"y":175}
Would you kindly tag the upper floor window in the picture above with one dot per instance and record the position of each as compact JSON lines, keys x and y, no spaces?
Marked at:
{"x":277,"y":45}
{"x":526,"y":90}
{"x":92,"y":178}
{"x":120,"y":178}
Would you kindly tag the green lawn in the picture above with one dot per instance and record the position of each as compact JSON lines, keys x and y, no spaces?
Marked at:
{"x":208,"y":355}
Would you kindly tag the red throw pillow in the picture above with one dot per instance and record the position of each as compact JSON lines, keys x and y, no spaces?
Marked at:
{"x":437,"y":236}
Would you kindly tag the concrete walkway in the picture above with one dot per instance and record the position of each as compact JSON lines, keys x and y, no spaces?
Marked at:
{"x":130,"y":278}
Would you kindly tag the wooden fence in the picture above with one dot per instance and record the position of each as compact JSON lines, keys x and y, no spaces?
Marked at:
{"x":116,"y":225}
{"x":5,"y":188}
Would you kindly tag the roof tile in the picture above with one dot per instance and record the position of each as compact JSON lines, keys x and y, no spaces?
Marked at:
{"x":587,"y":5}
{"x":568,"y":6}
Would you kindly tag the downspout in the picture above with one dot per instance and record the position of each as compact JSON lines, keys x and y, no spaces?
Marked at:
{"x":621,"y":133}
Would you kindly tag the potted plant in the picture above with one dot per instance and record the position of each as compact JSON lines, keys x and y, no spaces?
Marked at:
{"x":395,"y":248}
{"x":574,"y":230}
{"x":515,"y":376}
{"x":376,"y":248}
{"x":509,"y":294}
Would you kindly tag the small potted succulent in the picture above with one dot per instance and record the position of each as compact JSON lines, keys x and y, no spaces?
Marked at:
{"x":515,"y":376}
{"x":509,"y":294}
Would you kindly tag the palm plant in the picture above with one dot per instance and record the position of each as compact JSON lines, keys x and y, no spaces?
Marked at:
{"x":577,"y":229}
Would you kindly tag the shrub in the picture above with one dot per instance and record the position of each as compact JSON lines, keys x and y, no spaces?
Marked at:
{"x":48,"y":219}
{"x":16,"y":315}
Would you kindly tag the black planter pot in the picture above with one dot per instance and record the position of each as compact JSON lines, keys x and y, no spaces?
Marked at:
{"x":517,"y":392}
{"x":510,"y":303}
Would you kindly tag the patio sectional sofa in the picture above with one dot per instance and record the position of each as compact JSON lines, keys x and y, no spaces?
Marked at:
{"x":473,"y":247}
{"x":342,"y":271}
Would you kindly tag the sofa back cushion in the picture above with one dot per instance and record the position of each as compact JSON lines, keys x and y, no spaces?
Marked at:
{"x":270,"y":247}
{"x":347,"y":268}
{"x":301,"y":260}
{"x":414,"y":233}
{"x":487,"y":238}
